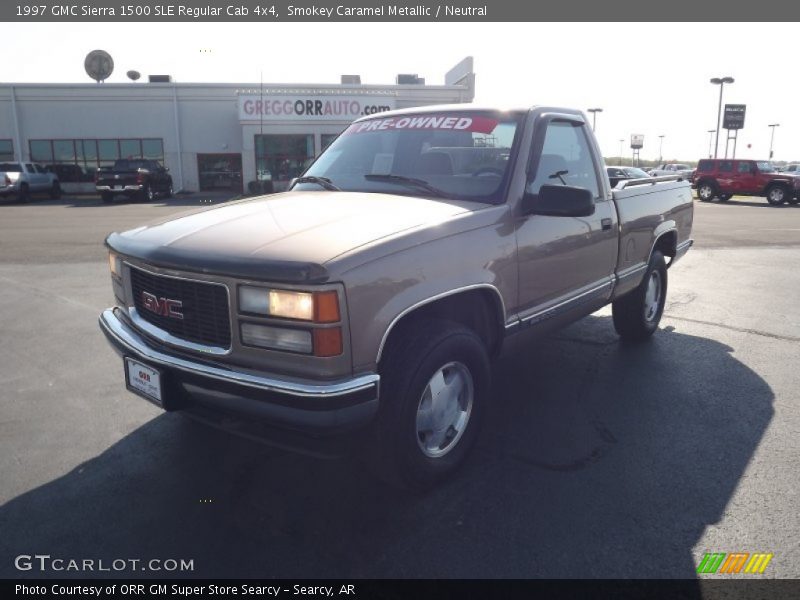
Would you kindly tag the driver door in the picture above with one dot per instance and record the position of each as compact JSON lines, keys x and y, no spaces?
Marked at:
{"x":564,"y":262}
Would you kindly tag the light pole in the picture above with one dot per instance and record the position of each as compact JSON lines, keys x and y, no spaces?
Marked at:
{"x":660,"y":146}
{"x":772,"y":137}
{"x":720,"y":81}
{"x":594,"y":112}
{"x":621,"y":142}
{"x":710,"y":140}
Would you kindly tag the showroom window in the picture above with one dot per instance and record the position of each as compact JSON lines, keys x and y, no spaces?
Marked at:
{"x":327,"y":139}
{"x":78,"y":160}
{"x":6,"y":150}
{"x":279,"y":158}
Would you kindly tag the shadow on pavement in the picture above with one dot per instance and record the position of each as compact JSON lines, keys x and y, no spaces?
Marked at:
{"x":598,"y":460}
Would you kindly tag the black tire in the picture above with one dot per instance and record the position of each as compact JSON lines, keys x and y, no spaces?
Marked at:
{"x":24,"y":194}
{"x":55,"y":191}
{"x":724,"y":197}
{"x":169,"y":191}
{"x":148,"y":195}
{"x":407,"y":456}
{"x":777,"y":195}
{"x":637,"y":314}
{"x":706,"y":191}
{"x":107,"y":197}
{"x":794,"y":201}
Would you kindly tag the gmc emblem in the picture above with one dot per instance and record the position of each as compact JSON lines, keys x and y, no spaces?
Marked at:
{"x":165,"y":307}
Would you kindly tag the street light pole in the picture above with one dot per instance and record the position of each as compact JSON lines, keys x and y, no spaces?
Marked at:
{"x":772,"y":137}
{"x":621,"y":142}
{"x":594,"y":112}
{"x":660,"y":147}
{"x":710,"y":140}
{"x":720,"y":81}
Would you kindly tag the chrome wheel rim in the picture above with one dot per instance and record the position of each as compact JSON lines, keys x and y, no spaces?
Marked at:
{"x":444,"y":409}
{"x":652,"y":297}
{"x":776,"y":195}
{"x":705,"y":192}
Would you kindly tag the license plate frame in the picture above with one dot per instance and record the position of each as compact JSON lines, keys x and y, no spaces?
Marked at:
{"x":144,"y":380}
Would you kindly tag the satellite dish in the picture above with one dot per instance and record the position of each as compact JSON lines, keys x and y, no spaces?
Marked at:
{"x":133,"y":75}
{"x":99,"y":65}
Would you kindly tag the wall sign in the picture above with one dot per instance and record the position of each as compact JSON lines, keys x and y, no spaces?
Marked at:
{"x":254,"y":107}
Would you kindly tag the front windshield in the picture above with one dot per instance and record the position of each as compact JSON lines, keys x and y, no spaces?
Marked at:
{"x":460,"y":154}
{"x":765,"y":167}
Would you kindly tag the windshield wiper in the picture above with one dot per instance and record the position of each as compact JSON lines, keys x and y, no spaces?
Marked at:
{"x":401,"y":179}
{"x":323,"y":182}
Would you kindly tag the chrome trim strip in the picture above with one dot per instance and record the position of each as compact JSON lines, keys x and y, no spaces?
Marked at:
{"x":129,"y":339}
{"x":165,"y":336}
{"x":467,"y":288}
{"x":543,"y":312}
{"x":630,"y":271}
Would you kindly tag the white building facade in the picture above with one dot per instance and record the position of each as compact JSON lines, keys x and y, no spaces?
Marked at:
{"x":209,"y":135}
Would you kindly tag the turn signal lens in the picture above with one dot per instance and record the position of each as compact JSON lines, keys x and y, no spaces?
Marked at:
{"x":115,"y":264}
{"x":328,"y":342}
{"x":326,"y":307}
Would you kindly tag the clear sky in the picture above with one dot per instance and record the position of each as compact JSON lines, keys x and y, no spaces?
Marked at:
{"x":650,"y":79}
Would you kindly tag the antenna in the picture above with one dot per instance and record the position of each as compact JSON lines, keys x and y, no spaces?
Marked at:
{"x":99,"y":65}
{"x":133,"y":75}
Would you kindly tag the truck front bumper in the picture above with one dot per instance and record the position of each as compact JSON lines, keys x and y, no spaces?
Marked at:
{"x":214,"y":391}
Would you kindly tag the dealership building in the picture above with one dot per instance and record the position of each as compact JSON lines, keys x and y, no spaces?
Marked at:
{"x":209,"y":135}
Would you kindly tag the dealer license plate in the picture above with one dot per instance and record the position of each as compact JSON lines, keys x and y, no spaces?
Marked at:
{"x":143,"y":380}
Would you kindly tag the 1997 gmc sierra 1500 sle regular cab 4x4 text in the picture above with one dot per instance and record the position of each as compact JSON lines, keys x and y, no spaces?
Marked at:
{"x":372,"y":296}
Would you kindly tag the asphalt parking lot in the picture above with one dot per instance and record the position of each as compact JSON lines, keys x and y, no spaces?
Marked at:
{"x":598,"y":460}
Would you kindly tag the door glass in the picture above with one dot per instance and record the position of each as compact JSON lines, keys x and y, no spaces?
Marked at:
{"x":565,"y":159}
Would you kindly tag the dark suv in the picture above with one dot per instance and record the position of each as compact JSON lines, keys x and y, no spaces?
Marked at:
{"x":724,"y":178}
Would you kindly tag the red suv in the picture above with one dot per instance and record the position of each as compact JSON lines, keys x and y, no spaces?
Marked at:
{"x":724,"y":178}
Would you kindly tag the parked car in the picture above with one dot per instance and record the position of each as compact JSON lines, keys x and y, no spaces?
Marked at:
{"x":69,"y":173}
{"x":793,"y":169}
{"x":135,"y":178}
{"x":723,"y":178}
{"x":23,"y":179}
{"x":370,"y":299}
{"x":681,"y":169}
{"x":617,"y":174}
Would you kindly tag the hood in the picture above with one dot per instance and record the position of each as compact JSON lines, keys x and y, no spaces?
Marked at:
{"x":285,"y":237}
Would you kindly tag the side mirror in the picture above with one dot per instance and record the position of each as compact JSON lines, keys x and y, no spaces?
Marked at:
{"x":292,"y":181}
{"x":559,"y":201}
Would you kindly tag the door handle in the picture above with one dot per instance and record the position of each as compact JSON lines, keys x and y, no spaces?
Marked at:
{"x":606,"y":223}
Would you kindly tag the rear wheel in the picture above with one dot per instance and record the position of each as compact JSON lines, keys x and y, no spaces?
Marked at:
{"x":706,"y":191}
{"x":170,"y":191}
{"x":637,"y":314}
{"x":435,"y":386}
{"x":777,"y":195}
{"x":724,"y":197}
{"x":148,"y":195}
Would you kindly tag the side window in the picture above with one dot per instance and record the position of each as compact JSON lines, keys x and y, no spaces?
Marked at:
{"x":726,"y":166}
{"x":704,"y":166}
{"x":40,"y":169}
{"x":29,"y":168}
{"x":566,"y":159}
{"x":744,"y":167}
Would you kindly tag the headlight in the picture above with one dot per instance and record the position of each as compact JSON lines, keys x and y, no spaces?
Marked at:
{"x":115,"y":264}
{"x":277,"y":338}
{"x":320,"y":307}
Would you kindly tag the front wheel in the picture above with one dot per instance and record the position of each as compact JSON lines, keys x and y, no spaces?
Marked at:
{"x":724,"y":197}
{"x":637,"y":314}
{"x":434,"y":388}
{"x":55,"y":191}
{"x":24,"y":194}
{"x":794,"y":201}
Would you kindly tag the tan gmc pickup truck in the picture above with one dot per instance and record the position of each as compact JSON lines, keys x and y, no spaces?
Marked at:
{"x":371,"y":298}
